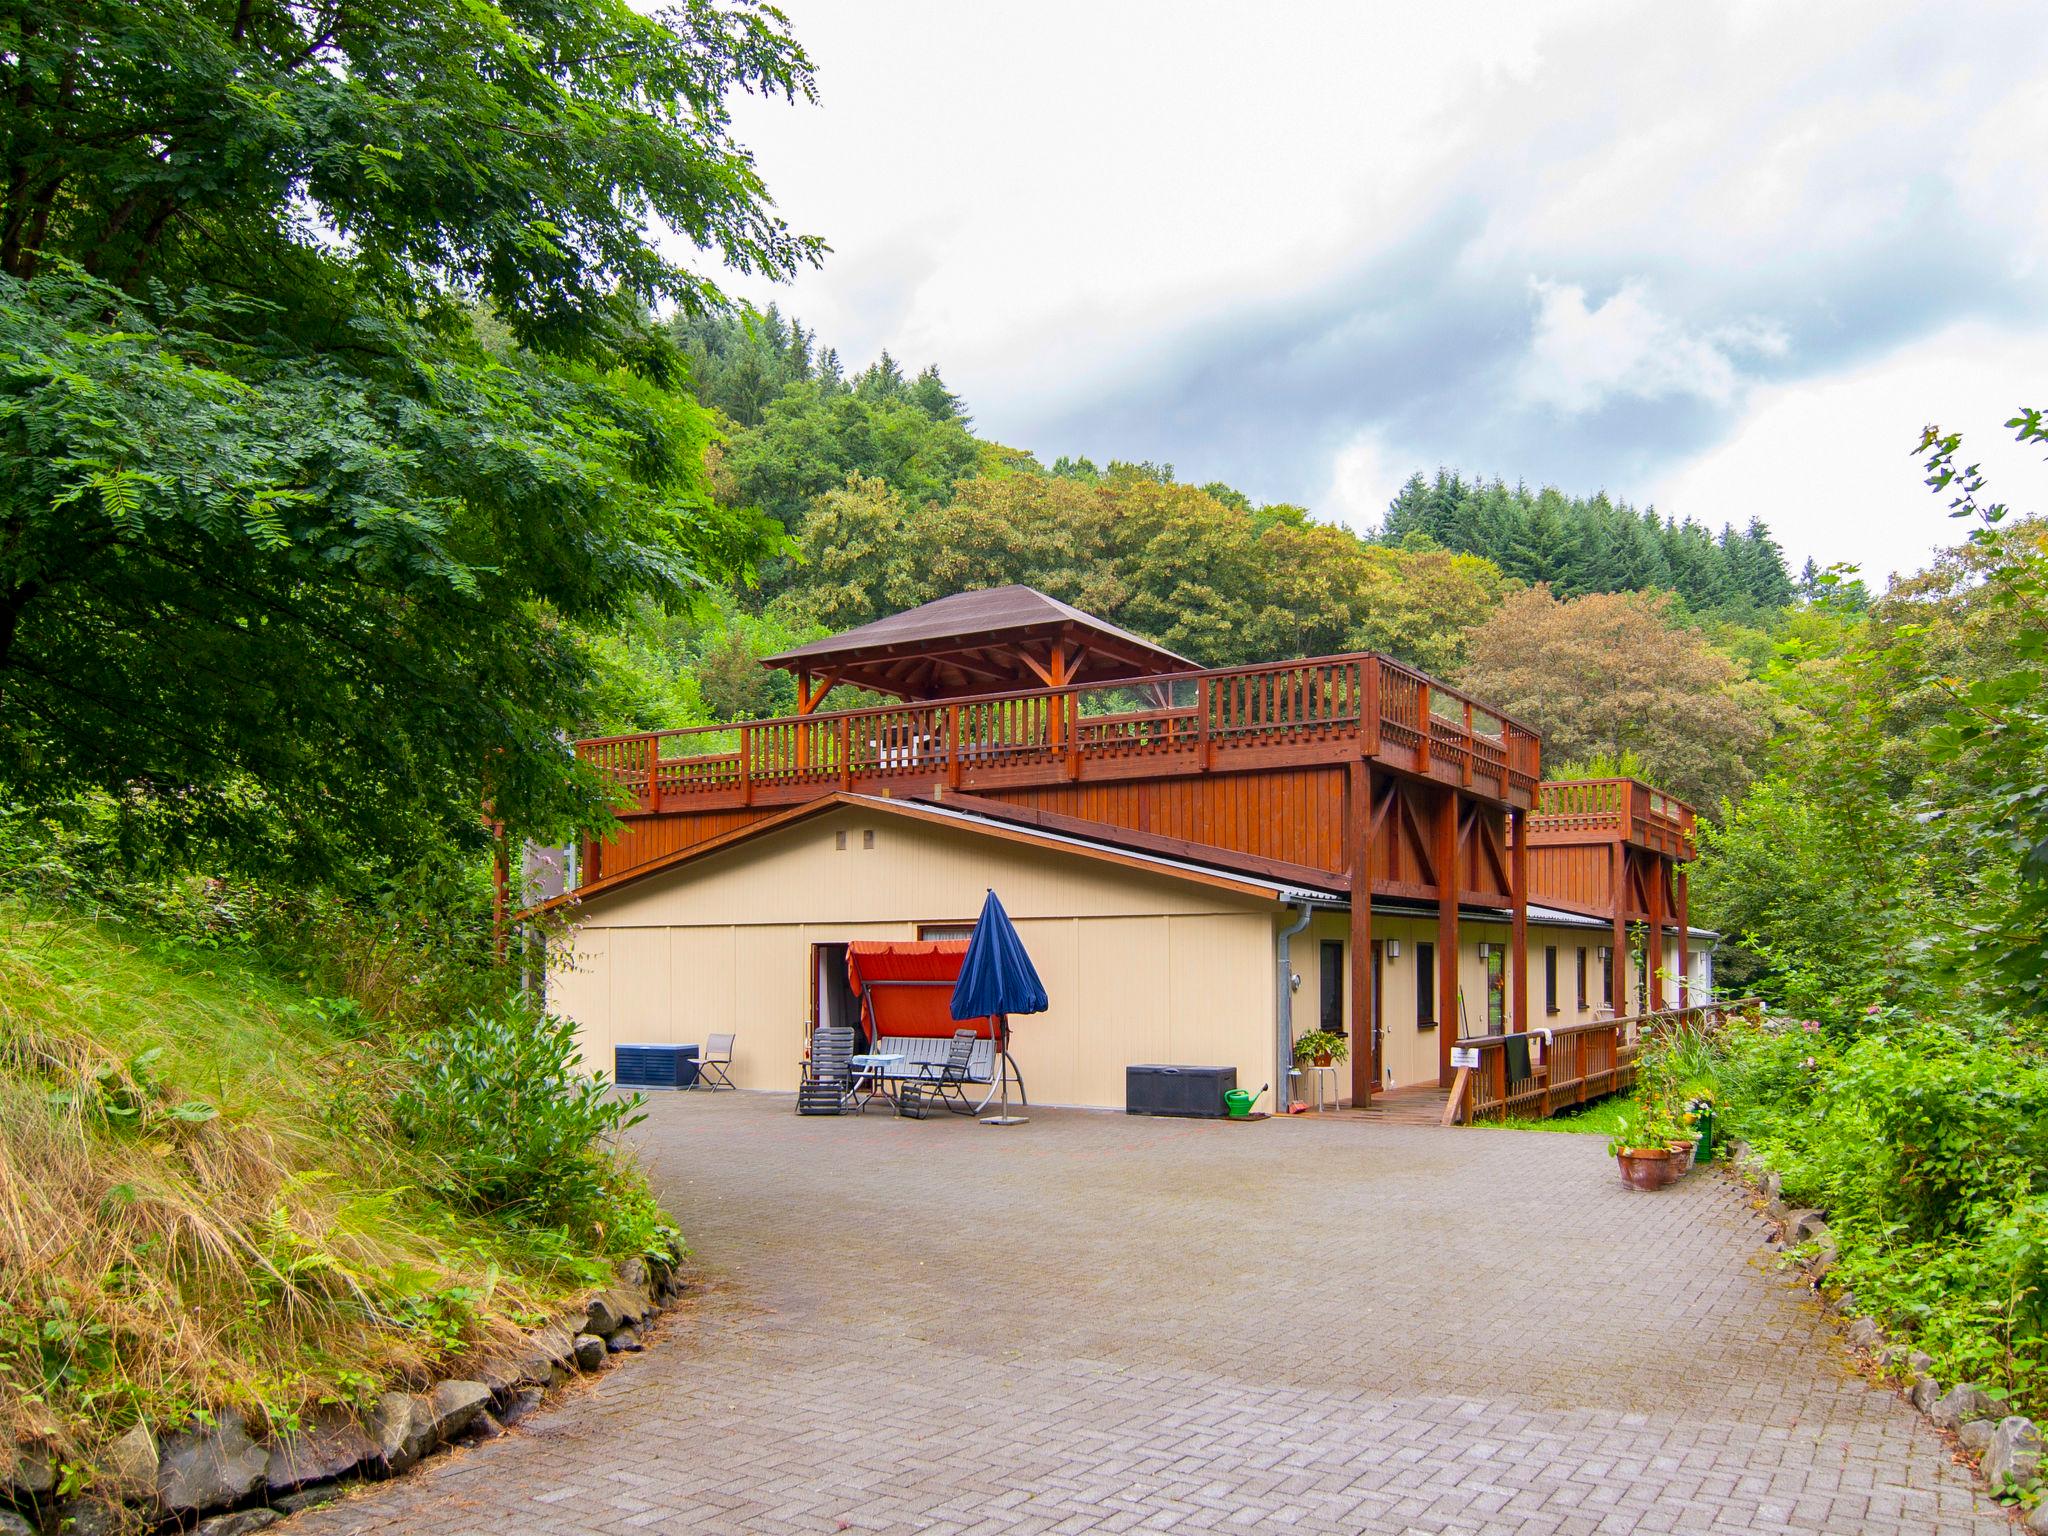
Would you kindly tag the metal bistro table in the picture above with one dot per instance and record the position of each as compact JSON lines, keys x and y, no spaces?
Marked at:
{"x":874,"y":1069}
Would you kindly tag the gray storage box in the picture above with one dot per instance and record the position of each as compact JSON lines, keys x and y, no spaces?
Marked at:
{"x":1195,"y":1092}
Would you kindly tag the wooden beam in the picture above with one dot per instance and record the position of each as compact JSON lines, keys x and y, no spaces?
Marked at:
{"x":1653,"y":946}
{"x":1618,"y":955}
{"x":1365,"y":1065}
{"x":1518,"y":877}
{"x":1446,"y":930}
{"x":1684,"y":939}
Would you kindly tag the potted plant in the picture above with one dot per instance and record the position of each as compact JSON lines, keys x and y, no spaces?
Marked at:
{"x":1642,"y":1149}
{"x":1322,"y":1047}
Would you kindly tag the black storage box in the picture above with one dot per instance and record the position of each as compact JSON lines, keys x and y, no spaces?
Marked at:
{"x":655,"y":1066}
{"x":1195,"y":1092}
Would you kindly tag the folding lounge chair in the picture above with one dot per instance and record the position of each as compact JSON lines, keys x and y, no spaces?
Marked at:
{"x":944,"y":1082}
{"x":713,"y":1065}
{"x":827,"y":1088}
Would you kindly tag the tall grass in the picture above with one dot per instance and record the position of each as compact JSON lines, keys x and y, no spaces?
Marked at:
{"x":204,"y":1201}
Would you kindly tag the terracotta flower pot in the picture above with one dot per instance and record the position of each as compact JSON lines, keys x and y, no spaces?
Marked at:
{"x":1323,"y":1059}
{"x":1648,"y":1167}
{"x":1682,"y":1154}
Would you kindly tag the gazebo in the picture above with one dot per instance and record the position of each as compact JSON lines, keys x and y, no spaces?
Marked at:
{"x":998,"y":640}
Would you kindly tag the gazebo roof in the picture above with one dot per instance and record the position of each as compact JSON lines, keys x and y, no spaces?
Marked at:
{"x":997,"y":640}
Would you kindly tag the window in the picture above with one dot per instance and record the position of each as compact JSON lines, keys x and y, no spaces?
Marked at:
{"x":1607,"y":976}
{"x":932,"y":933}
{"x":867,"y":838}
{"x":1332,"y":956}
{"x":1425,"y":986}
{"x":839,"y":841}
{"x":1550,"y":978}
{"x":1582,"y":978}
{"x":1496,"y":958}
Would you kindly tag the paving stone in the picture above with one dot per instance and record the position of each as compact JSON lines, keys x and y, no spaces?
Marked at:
{"x":1100,"y":1323}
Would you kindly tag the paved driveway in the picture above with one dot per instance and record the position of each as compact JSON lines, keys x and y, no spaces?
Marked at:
{"x":1101,"y":1324}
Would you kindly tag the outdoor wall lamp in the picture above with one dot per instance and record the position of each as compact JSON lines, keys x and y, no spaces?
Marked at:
{"x":1294,"y":981}
{"x":1393,"y":949}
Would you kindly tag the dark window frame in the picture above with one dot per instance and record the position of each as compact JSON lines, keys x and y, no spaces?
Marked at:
{"x":1582,"y":978}
{"x":1330,"y":1001}
{"x":1550,"y":978}
{"x":1425,"y":985}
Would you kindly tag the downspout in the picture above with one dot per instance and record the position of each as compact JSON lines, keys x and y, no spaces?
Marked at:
{"x":1283,"y":1010}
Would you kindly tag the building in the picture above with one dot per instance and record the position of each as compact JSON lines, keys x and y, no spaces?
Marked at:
{"x":1203,"y":862}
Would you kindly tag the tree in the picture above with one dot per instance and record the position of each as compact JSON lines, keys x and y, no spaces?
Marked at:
{"x":1607,"y":674}
{"x":329,"y":408}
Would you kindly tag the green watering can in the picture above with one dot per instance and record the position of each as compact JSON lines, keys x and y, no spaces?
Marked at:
{"x":1238,"y":1102}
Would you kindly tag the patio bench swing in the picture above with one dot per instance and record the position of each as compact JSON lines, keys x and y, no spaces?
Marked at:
{"x":905,"y":992}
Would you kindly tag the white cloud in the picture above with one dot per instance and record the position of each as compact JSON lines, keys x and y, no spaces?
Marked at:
{"x":1364,"y":477}
{"x":1828,"y":463}
{"x":1579,"y":358}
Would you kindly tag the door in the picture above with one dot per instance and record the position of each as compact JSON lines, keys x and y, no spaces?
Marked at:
{"x":1377,"y":1060}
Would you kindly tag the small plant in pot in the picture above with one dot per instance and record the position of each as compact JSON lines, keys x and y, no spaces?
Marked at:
{"x":1322,"y":1048}
{"x":1642,"y":1148}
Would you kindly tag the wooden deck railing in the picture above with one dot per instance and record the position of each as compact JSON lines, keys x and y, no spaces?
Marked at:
{"x":1323,"y":709}
{"x":1532,"y":1076}
{"x":1572,"y":810}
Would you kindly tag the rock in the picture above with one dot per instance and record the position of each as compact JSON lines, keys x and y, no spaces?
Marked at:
{"x":543,"y":1358}
{"x":2037,"y":1519}
{"x":1923,"y":1393}
{"x":1919,"y":1363}
{"x":2014,"y":1454}
{"x":34,"y":1471}
{"x":129,"y":1471}
{"x":1863,"y":1334}
{"x":589,"y":1351}
{"x":614,"y":1308}
{"x":523,"y":1402}
{"x":332,"y":1444}
{"x":452,"y":1406}
{"x":1770,"y":1186}
{"x":12,"y":1524}
{"x":390,"y":1425}
{"x":1822,"y":1259}
{"x":1960,"y":1403}
{"x":82,"y":1517}
{"x":484,"y":1427}
{"x":674,"y":1288}
{"x":1845,"y":1301}
{"x":1801,"y":1224}
{"x":313,"y":1497}
{"x":633,"y":1272}
{"x":625,"y":1341}
{"x":1976,"y":1435}
{"x":239,"y":1524}
{"x":208,"y":1467}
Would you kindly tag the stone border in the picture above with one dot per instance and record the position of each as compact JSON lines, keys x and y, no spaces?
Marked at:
{"x":2007,"y":1450}
{"x":221,"y":1476}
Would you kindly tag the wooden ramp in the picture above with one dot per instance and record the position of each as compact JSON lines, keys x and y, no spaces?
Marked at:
{"x":1420,"y":1105}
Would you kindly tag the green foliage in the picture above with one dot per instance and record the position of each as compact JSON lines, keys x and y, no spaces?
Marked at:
{"x":1322,"y":1042}
{"x":329,"y":405}
{"x":1928,"y":1150}
{"x":497,"y":1099}
{"x":1591,"y":544}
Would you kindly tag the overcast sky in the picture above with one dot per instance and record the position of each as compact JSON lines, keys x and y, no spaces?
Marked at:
{"x":1724,"y":258}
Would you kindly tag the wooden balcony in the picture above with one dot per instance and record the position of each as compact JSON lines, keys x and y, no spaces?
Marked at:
{"x":1612,"y":810}
{"x":1328,"y":709}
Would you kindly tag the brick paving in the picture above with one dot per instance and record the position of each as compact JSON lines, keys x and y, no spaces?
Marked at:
{"x":1099,"y":1324}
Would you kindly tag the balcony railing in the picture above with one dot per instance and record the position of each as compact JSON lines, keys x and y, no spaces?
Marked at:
{"x":1320,"y":710}
{"x":1571,"y":810}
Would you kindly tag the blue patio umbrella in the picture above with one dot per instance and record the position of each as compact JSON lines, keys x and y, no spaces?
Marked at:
{"x":997,"y":979}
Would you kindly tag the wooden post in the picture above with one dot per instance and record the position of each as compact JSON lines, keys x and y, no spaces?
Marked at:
{"x":1446,"y":930}
{"x":1365,"y":1063}
{"x":1369,"y":721}
{"x":845,"y":756}
{"x":1067,"y":707}
{"x":1423,"y":742}
{"x":952,"y":746}
{"x":1617,"y":957}
{"x":746,"y":765}
{"x":1684,"y":940}
{"x":1653,"y":945}
{"x":1202,"y":696}
{"x":650,"y":795}
{"x":1468,"y":743}
{"x":1518,"y":877}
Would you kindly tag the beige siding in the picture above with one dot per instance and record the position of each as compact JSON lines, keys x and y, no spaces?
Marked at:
{"x":1140,"y":967}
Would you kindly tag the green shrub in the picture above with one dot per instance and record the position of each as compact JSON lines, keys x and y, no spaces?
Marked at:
{"x":516,"y":1129}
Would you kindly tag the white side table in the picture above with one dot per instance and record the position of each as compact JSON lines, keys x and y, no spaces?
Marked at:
{"x":1323,"y":1074}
